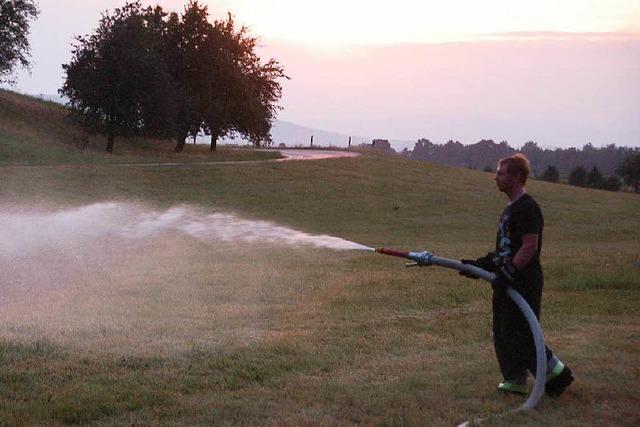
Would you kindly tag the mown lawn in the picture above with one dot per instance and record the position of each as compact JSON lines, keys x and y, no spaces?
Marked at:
{"x":174,"y":331}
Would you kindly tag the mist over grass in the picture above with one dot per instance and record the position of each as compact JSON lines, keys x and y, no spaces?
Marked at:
{"x":121,"y":277}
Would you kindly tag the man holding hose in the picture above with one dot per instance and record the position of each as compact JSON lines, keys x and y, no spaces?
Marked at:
{"x":516,"y":264}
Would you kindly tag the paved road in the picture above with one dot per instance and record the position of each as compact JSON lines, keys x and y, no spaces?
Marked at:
{"x":289,"y":155}
{"x":292,"y":154}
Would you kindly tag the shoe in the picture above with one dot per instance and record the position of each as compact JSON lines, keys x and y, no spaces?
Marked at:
{"x":558,"y":380}
{"x":512,"y":387}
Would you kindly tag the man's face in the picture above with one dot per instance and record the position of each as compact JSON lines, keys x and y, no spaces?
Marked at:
{"x":504,"y":180}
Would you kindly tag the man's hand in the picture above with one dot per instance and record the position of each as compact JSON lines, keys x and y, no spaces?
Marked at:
{"x":486,"y":263}
{"x":505,"y":276}
{"x":467,"y":274}
{"x":500,"y":282}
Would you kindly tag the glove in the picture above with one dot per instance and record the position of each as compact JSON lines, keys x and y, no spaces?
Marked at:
{"x":467,"y":274}
{"x":486,"y":263}
{"x":505,"y":276}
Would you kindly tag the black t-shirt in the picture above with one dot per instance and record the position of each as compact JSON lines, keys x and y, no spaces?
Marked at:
{"x":519,"y":218}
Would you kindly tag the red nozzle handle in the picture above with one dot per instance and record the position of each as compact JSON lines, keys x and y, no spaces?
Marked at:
{"x":393,"y":252}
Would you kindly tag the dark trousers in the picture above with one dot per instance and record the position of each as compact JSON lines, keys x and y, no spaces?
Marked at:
{"x":512,"y":338}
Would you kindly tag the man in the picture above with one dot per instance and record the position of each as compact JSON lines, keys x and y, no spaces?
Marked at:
{"x":516,"y":264}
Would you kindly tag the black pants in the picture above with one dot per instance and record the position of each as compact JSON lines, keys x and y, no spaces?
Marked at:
{"x":512,"y":338}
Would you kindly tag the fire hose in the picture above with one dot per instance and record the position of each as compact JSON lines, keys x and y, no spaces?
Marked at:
{"x":425,"y":259}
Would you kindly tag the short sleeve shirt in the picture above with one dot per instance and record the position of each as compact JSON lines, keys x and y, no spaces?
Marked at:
{"x":519,"y":218}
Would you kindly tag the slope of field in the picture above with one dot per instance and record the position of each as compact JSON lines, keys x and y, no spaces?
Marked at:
{"x":37,"y":132}
{"x":174,"y":330}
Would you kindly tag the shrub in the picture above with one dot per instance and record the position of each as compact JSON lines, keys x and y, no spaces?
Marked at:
{"x":551,"y":174}
{"x":612,"y":183}
{"x":578,"y":176}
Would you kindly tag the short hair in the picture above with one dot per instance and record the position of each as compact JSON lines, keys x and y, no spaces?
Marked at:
{"x":518,"y":164}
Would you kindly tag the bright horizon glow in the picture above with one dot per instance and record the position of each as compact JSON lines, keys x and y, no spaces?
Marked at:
{"x":340,"y":22}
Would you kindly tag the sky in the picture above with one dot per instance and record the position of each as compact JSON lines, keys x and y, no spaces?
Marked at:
{"x":558,"y":73}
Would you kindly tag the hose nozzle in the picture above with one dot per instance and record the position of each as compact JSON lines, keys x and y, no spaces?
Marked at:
{"x":421,"y":258}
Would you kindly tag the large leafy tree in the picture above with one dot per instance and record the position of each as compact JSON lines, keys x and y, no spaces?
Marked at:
{"x":259,"y":90}
{"x":185,"y":52}
{"x":14,"y":32}
{"x":146,"y":72}
{"x":224,"y":88}
{"x":117,"y":78}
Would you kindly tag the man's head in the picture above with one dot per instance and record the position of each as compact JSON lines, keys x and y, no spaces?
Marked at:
{"x":512,"y":173}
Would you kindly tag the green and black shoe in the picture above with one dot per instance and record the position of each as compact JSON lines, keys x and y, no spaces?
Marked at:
{"x":512,"y":387}
{"x":558,"y":380}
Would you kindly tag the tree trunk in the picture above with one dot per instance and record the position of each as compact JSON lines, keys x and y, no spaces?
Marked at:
{"x":214,"y":142}
{"x":110,"y":139}
{"x":180,"y":139}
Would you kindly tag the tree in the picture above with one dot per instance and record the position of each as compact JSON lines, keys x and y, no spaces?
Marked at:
{"x":259,"y":89}
{"x":14,"y":31}
{"x":629,"y":171}
{"x":189,"y":58}
{"x":223,"y":88}
{"x":578,"y":176}
{"x":148,"y":73}
{"x":594,"y":178}
{"x":551,"y":174}
{"x":117,"y":80}
{"x":242,"y":92}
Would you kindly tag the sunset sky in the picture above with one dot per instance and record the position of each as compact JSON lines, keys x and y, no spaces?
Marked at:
{"x":339,"y":22}
{"x":562,"y":73}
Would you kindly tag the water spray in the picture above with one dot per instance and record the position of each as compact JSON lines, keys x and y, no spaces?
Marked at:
{"x":425,"y":259}
{"x":69,"y":231}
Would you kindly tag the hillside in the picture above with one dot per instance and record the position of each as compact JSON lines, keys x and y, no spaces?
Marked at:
{"x":288,"y":133}
{"x":169,"y":328}
{"x":35,"y":131}
{"x":32,"y":130}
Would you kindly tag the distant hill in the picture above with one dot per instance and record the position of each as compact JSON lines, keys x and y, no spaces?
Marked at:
{"x":284,"y":132}
{"x":51,"y":98}
{"x":293,"y":135}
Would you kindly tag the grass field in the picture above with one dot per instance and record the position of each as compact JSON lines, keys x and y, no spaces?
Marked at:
{"x":174,"y":330}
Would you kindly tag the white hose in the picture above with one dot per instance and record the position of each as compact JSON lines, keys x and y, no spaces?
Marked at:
{"x":536,"y":330}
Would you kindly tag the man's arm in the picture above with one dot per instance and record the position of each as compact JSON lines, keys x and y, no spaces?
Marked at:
{"x":527,"y":251}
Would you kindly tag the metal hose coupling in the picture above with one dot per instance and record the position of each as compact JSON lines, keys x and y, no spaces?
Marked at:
{"x":423,"y":259}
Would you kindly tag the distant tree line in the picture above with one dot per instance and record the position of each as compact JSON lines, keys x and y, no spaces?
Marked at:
{"x":487,"y":152}
{"x":627,"y":172}
{"x":606,"y":168}
{"x":580,"y":177}
{"x":145,"y":71}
